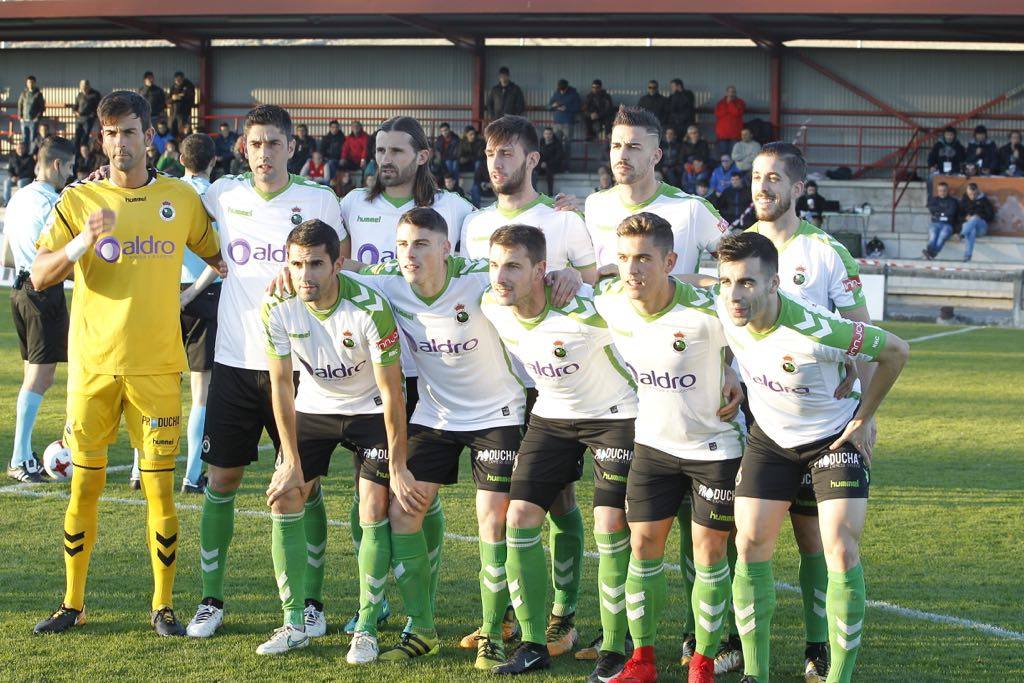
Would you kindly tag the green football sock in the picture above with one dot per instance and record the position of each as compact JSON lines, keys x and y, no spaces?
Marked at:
{"x":612,"y":564}
{"x":287,"y":545}
{"x":711,"y":591}
{"x":646,"y":588}
{"x":433,"y":532}
{"x":527,"y":586}
{"x":731,"y":555}
{"x":316,"y":545}
{"x":753,"y":595}
{"x":374,"y":562}
{"x":353,"y":520}
{"x":846,"y":601}
{"x":216,"y":526}
{"x":813,"y":588}
{"x":566,"y":539}
{"x":493,"y":587}
{"x":412,"y":573}
{"x":686,"y":562}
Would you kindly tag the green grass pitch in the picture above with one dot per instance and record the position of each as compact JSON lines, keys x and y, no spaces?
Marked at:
{"x":945,"y":538}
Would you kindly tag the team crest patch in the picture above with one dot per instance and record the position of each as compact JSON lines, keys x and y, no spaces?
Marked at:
{"x":460,"y":313}
{"x":167,"y":212}
{"x":788,"y":365}
{"x":801,"y":276}
{"x":559,"y":350}
{"x":679,"y":344}
{"x":296,"y":215}
{"x":347,"y":340}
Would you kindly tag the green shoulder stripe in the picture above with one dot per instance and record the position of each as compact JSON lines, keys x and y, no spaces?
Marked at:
{"x":825,"y":329}
{"x":698,"y":298}
{"x":582,"y":310}
{"x":371,"y":302}
{"x":609,"y":285}
{"x":269,"y":303}
{"x":465,"y":266}
{"x":389,"y":267}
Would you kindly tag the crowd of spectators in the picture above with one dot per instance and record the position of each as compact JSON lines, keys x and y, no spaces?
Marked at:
{"x":980,"y":157}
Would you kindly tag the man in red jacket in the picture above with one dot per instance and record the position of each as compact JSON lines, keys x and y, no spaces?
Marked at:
{"x":353,"y":150}
{"x":728,"y":120}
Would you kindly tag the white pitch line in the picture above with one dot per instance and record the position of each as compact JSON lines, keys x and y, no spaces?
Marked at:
{"x":905,"y":612}
{"x":937,"y":335}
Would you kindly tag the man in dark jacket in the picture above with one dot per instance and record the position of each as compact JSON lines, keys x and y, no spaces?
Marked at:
{"x":947,"y":155}
{"x":505,"y":98}
{"x":811,"y":205}
{"x":945,"y":211}
{"x":86,"y":103}
{"x":1011,"y":156}
{"x":471,"y":150}
{"x":446,"y":145}
{"x":565,"y":103}
{"x":305,"y":144}
{"x":224,"y":146}
{"x":734,"y":203}
{"x":977,"y":212}
{"x":672,"y":159}
{"x":183,"y":99}
{"x":31,"y":105}
{"x":552,"y":158}
{"x":982,"y":152}
{"x":21,"y":170}
{"x":695,"y":146}
{"x":331,"y":145}
{"x":682,"y":109}
{"x":654,"y":102}
{"x":155,"y":95}
{"x":598,"y":111}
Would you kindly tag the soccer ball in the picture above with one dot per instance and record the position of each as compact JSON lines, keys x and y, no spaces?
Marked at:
{"x":57,"y":461}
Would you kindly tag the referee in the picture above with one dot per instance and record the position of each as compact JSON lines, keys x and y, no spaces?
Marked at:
{"x":40,"y":317}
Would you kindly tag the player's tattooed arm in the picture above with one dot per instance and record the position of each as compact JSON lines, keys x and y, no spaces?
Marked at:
{"x":288,"y":479}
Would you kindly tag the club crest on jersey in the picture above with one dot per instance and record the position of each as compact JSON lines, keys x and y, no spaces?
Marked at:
{"x":460,"y":313}
{"x":347,"y":340}
{"x":788,"y":365}
{"x":679,"y":344}
{"x":167,"y":211}
{"x":296,"y":215}
{"x":801,"y":276}
{"x":558,"y":350}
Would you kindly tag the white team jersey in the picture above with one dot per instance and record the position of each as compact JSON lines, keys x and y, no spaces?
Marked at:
{"x":676,"y":359}
{"x":696,"y":224}
{"x":568,"y":242}
{"x":336,"y":348}
{"x":191,"y":265}
{"x":253,"y":228}
{"x":465,"y":378}
{"x":569,"y":354}
{"x":792,"y":371}
{"x":373,"y":226}
{"x":25,"y":219}
{"x":816,"y":267}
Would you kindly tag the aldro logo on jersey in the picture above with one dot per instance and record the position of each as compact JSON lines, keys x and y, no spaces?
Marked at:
{"x":110,"y":249}
{"x":801,"y":276}
{"x":241,"y":251}
{"x":558,"y":350}
{"x":347,"y":340}
{"x":679,"y":344}
{"x":296,"y":215}
{"x":460,"y":313}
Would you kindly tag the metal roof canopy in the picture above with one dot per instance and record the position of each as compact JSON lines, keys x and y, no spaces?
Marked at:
{"x":465,"y":23}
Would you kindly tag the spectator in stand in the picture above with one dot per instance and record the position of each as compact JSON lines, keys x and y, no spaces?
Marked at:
{"x":370,"y":155}
{"x":598,"y":111}
{"x":86,"y":102}
{"x":672,"y":159}
{"x":744,"y":150}
{"x":482,"y":187}
{"x":304,"y":146}
{"x":239,"y":164}
{"x":169,"y":161}
{"x":977,"y":212}
{"x":721,"y":177}
{"x":729,"y":122}
{"x":605,"y":180}
{"x":161,"y":135}
{"x":342,"y":183}
{"x":945,"y":211}
{"x":565,"y":103}
{"x":183,"y":99}
{"x":552,"y":158}
{"x":695,"y":146}
{"x":452,"y":184}
{"x":982,"y":152}
{"x":42,"y":132}
{"x":31,"y":105}
{"x":505,"y":97}
{"x":155,"y":95}
{"x":654,"y":102}
{"x":704,"y":190}
{"x":316,"y":169}
{"x":89,"y":159}
{"x":223,"y":145}
{"x":970,"y":169}
{"x":811,"y":205}
{"x":331,"y":144}
{"x":471,"y":150}
{"x":694,"y":172}
{"x":21,"y":170}
{"x":947,"y":155}
{"x":735,"y":203}
{"x":353,"y":152}
{"x":682,"y":108}
{"x":446,"y":145}
{"x":1011,"y":155}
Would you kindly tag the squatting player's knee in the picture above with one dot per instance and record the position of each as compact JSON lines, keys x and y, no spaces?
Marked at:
{"x":224,"y":479}
{"x":709,"y":546}
{"x":754,"y":545}
{"x":523,"y":515}
{"x":608,"y":520}
{"x":403,"y":522}
{"x":289,"y":503}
